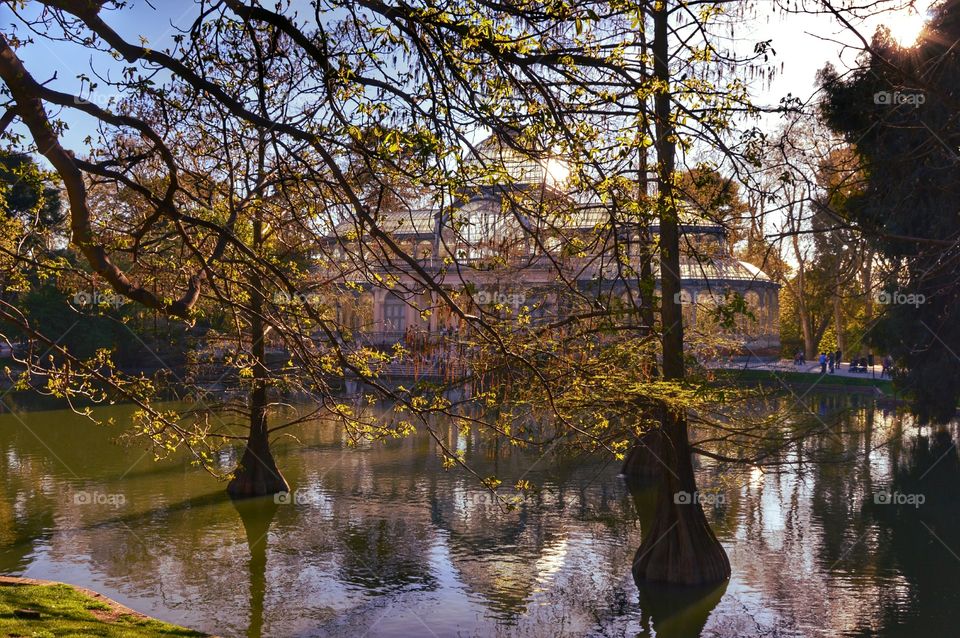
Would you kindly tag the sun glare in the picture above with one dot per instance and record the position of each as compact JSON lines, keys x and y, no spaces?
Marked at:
{"x":906,"y":27}
{"x":557,"y":171}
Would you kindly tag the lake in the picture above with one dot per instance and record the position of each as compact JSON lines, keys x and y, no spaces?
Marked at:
{"x":381,"y":540}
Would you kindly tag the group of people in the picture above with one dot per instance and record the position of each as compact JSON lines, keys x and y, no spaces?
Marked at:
{"x":827,"y":361}
{"x":887,"y":367}
{"x":830,"y":361}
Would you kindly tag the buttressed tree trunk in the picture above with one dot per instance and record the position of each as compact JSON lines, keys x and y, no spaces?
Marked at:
{"x":672,"y":611}
{"x":258,"y":474}
{"x":680,"y":548}
{"x":644,"y":458}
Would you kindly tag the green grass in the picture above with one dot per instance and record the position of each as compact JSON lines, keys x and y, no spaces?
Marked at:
{"x":805,"y":378}
{"x":64,"y":611}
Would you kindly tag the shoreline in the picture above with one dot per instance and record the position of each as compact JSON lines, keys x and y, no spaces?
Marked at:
{"x":809,"y":380}
{"x":115,"y":610}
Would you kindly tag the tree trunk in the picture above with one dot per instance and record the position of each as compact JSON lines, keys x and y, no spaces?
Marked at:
{"x":809,"y":342}
{"x":643,"y":462}
{"x":821,"y":329}
{"x":257,"y":474}
{"x":680,"y":548}
{"x":648,"y":282}
{"x":672,"y":611}
{"x":803,"y":315}
{"x":799,"y":288}
{"x":838,"y":326}
{"x":867,"y":274}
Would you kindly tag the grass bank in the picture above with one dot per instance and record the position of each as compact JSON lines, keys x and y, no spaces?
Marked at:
{"x":40,"y":609}
{"x":804,"y":379}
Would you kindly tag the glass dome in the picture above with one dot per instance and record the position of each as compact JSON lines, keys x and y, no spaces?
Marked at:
{"x":496,"y":161}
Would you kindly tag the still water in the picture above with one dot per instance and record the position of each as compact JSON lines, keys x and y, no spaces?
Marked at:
{"x":381,"y":541}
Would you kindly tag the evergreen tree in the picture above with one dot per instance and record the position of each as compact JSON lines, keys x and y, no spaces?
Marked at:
{"x":899,"y":109}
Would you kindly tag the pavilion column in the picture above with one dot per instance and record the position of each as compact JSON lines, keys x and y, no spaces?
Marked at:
{"x":378,"y":321}
{"x":694,"y":298}
{"x":773,"y":310}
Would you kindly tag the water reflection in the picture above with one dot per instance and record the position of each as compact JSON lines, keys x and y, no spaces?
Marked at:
{"x":675,"y":612}
{"x":257,"y":514}
{"x":919,"y":519}
{"x":383,"y":540}
{"x":668,"y":612}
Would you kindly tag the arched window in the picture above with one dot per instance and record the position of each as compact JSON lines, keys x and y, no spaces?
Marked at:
{"x":704,"y":304}
{"x":745,"y":324}
{"x":485,"y":229}
{"x":424,"y":250}
{"x":688,"y":309}
{"x":394,"y":314}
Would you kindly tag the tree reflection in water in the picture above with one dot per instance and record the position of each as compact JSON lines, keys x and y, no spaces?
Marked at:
{"x":669,"y":612}
{"x":921,"y":540}
{"x":257,"y":514}
{"x":383,"y":540}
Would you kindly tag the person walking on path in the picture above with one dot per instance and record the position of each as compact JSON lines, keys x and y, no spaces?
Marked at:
{"x":830,"y":361}
{"x":837,"y":360}
{"x":823,"y":363}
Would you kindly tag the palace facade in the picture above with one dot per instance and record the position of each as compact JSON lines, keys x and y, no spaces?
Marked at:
{"x":520,"y":241}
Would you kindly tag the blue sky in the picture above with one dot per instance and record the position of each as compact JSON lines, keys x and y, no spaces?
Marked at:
{"x":45,"y":59}
{"x":803,"y":43}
